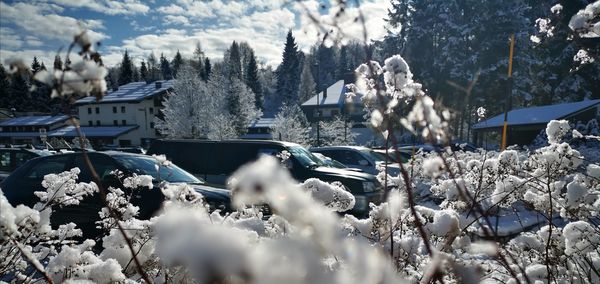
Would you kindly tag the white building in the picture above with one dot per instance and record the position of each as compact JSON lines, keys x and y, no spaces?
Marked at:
{"x":127,"y":113}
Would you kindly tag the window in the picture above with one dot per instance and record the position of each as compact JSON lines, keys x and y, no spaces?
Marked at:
{"x":97,"y":122}
{"x":53,"y":165}
{"x":103,"y":165}
{"x":123,"y":122}
{"x":122,"y":109}
{"x":151,"y":124}
{"x":115,"y":122}
{"x":97,"y":110}
{"x":5,"y":161}
{"x":90,"y":123}
{"x":22,"y":157}
{"x":89,"y":110}
{"x":114,"y":109}
{"x":151,"y":110}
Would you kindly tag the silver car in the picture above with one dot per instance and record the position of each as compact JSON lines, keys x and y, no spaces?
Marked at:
{"x":358,"y":157}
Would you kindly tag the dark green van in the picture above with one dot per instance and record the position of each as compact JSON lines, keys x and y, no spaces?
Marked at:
{"x":215,"y":161}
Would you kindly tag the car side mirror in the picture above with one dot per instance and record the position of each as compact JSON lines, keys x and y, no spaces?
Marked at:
{"x":363,"y":162}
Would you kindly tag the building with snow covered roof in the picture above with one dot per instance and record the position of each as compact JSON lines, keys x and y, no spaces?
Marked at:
{"x":27,"y":129}
{"x":333,"y":102}
{"x":124,"y":117}
{"x":526,"y":123}
{"x":260,"y":129}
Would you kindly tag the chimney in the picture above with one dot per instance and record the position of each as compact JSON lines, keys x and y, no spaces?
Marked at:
{"x":158,"y":84}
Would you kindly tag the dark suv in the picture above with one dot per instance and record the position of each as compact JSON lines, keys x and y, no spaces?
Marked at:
{"x":20,"y":186}
{"x":215,"y":161}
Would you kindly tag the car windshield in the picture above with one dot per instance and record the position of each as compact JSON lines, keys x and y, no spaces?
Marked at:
{"x":306,"y":158}
{"x":148,"y":166}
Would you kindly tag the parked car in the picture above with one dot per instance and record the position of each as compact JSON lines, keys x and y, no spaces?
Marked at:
{"x":20,"y":186}
{"x":391,"y":154}
{"x":12,"y":158}
{"x":135,"y":150}
{"x":215,"y":161}
{"x":333,"y":163}
{"x":358,"y":157}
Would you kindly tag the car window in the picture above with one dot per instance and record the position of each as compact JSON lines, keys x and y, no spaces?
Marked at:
{"x":333,"y":154}
{"x":52,"y":165}
{"x":145,"y":165}
{"x":349,"y":157}
{"x":22,"y":157}
{"x":5,"y":161}
{"x":103,"y":165}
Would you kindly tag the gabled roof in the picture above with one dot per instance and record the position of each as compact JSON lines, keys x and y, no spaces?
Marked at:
{"x":336,"y":94}
{"x":44,"y":120}
{"x":132,"y":92}
{"x":92,"y":131}
{"x":536,"y":115}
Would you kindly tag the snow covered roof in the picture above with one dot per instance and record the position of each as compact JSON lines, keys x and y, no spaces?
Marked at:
{"x":132,"y":92}
{"x":263,"y":122}
{"x":92,"y":131}
{"x":336,"y":94}
{"x":43,"y":120}
{"x":536,"y":115}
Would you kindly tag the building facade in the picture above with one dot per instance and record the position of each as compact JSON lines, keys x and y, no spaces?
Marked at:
{"x":129,"y":111}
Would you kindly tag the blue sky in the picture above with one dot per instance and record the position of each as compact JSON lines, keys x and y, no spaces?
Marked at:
{"x":40,"y":27}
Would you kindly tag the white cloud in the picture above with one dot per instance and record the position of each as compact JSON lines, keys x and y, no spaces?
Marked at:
{"x":9,"y":39}
{"x":177,"y":20}
{"x":110,"y":7}
{"x":38,"y":21}
{"x":215,"y":24}
{"x":42,"y":55}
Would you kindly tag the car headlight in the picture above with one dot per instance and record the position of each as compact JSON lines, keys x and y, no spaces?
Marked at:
{"x":369,"y":186}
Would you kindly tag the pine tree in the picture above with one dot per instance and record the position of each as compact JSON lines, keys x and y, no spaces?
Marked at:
{"x":165,"y":68}
{"x":555,"y":77}
{"x":58,"y":64}
{"x":153,"y":68}
{"x":234,"y":64}
{"x":126,"y":72}
{"x":198,"y":63}
{"x":326,"y":67}
{"x":177,"y":62}
{"x":35,"y":65}
{"x":19,"y":92}
{"x":5,"y":98}
{"x":43,"y":67}
{"x":252,"y":80}
{"x":136,"y":74}
{"x":143,"y":72}
{"x":307,"y":83}
{"x":40,"y":95}
{"x":207,"y":69}
{"x":288,"y":73}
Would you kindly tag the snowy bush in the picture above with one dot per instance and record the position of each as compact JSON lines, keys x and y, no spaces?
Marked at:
{"x":510,"y":216}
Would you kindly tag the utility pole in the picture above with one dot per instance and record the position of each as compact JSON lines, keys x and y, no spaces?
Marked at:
{"x":509,"y":91}
{"x":318,"y":111}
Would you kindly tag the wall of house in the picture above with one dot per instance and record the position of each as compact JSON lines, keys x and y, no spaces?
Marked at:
{"x":123,"y":114}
